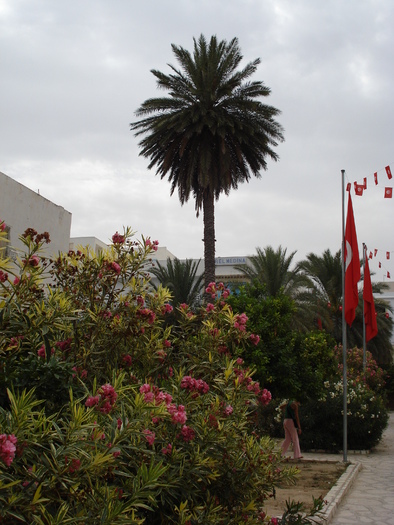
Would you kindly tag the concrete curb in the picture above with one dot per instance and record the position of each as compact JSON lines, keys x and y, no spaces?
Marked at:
{"x":338,"y":492}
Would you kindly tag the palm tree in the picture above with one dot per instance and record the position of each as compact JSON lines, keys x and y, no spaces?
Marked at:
{"x":272,"y":269}
{"x":180,"y":277}
{"x":211,"y":132}
{"x":325,"y":274}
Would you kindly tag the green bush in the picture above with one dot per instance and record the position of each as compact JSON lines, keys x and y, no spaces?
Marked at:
{"x":108,"y":415}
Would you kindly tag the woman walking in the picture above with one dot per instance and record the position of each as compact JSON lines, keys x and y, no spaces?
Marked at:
{"x":292,"y":427}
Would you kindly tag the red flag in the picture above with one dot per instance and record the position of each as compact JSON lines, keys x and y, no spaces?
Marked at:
{"x":380,"y":264}
{"x":371,"y":325}
{"x":358,"y":189}
{"x":375,"y":252}
{"x":388,"y":275}
{"x":370,"y":255}
{"x":376,"y":177}
{"x":365,"y":183}
{"x":387,"y":255}
{"x":352,"y":266}
{"x":348,"y":186}
{"x":388,"y":171}
{"x":388,"y":193}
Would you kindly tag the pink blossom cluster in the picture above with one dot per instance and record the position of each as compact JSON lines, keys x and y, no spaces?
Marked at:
{"x":152,"y":244}
{"x":7,"y":448}
{"x":210,"y":307}
{"x":167,"y":450}
{"x":126,"y":360}
{"x":42,"y":353}
{"x":264,"y":396}
{"x":197,"y":386}
{"x":3,"y":276}
{"x":148,"y":314}
{"x":254,"y":339}
{"x":152,"y":394}
{"x":187,"y":433}
{"x":34,"y":260}
{"x":65,"y":345}
{"x":115,"y":267}
{"x":117,"y":238}
{"x":167,"y":309}
{"x":240,"y":322}
{"x":228,"y":410}
{"x":104,"y":400}
{"x":150,"y":437}
{"x":213,"y":289}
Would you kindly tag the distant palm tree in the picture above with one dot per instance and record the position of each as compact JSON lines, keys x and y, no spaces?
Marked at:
{"x":211,"y":133}
{"x":325,"y":275}
{"x":272,"y":269}
{"x":181,"y":278}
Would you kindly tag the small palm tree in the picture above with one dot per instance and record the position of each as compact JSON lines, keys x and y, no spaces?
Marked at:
{"x":181,"y":278}
{"x":272,"y":269}
{"x":325,"y":275}
{"x":211,"y":132}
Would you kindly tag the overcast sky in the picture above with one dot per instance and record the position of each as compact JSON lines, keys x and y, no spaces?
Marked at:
{"x":73,"y":73}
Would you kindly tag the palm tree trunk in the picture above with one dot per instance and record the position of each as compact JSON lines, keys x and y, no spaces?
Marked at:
{"x":209,"y":237}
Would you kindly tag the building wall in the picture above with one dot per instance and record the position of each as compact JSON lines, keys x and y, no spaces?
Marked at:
{"x":22,"y":208}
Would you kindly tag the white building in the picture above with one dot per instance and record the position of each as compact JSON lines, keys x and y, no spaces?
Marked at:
{"x":22,"y":208}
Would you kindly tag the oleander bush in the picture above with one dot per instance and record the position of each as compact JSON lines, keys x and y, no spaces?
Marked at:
{"x":108,"y":415}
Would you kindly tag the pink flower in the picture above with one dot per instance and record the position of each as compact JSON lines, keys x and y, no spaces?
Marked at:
{"x":34,"y":260}
{"x":92,"y":401}
{"x":117,"y":238}
{"x":41,"y":351}
{"x":254,"y":339}
{"x":75,"y":465}
{"x":7,"y":448}
{"x":167,"y":343}
{"x":187,"y":433}
{"x":17,"y":281}
{"x":126,"y":360}
{"x":115,"y":267}
{"x":2,"y":226}
{"x":167,"y":309}
{"x":150,"y":437}
{"x":228,"y":410}
{"x":167,"y":449}
{"x":3,"y":276}
{"x":210,"y":307}
{"x":116,"y":453}
{"x":144,"y":388}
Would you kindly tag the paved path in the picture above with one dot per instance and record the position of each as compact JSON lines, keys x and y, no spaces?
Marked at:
{"x":370,"y":498}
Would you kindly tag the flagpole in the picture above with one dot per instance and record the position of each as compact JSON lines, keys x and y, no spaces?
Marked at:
{"x":364,"y":337}
{"x":344,"y":325}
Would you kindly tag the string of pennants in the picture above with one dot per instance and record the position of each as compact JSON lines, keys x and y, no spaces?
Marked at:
{"x":373,"y":254}
{"x":359,"y":188}
{"x":388,"y":194}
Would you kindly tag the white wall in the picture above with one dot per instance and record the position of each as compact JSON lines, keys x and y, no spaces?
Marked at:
{"x":22,"y":208}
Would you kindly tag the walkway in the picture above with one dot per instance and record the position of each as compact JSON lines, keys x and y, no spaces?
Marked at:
{"x":370,"y":498}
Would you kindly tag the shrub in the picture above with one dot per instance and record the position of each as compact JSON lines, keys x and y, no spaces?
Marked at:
{"x":113,"y":417}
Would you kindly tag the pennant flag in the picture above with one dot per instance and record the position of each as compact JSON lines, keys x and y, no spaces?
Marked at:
{"x":388,"y":275}
{"x":370,"y":255}
{"x":375,"y":175}
{"x":358,"y":189}
{"x":387,"y":255}
{"x":388,"y":193}
{"x":365,"y":183}
{"x":371,"y":325}
{"x":375,"y":252}
{"x":380,"y":264}
{"x":352,"y":266}
{"x":388,"y":171}
{"x":348,"y":186}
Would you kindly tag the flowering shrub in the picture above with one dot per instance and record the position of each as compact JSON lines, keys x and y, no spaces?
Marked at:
{"x":165,"y":439}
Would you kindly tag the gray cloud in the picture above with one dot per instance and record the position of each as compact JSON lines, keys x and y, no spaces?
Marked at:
{"x":73,"y":74}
